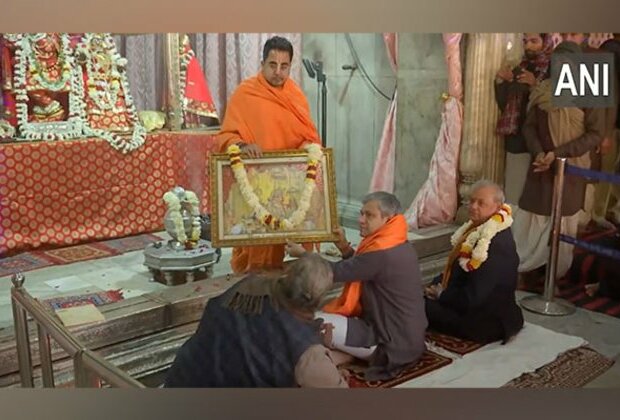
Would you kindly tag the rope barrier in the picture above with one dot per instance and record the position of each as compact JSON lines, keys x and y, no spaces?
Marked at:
{"x":592,"y":247}
{"x":590,"y":174}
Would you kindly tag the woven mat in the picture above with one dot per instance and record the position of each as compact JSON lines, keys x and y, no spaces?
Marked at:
{"x":29,"y":261}
{"x":452,"y":344}
{"x":572,"y":369}
{"x":97,"y":299}
{"x":429,"y":362}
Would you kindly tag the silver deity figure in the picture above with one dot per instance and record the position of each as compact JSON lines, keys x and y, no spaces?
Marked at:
{"x":182,"y":220}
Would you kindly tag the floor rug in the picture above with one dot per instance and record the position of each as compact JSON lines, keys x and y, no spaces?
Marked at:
{"x":33,"y":260}
{"x":429,"y":362}
{"x":452,"y":344}
{"x":97,"y":299}
{"x":572,"y":369}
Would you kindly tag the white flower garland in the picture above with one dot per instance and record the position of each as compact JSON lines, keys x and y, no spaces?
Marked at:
{"x":315,"y":154}
{"x":185,"y":57}
{"x":61,"y":130}
{"x":474,"y":250}
{"x":76,"y":125}
{"x":174,"y":207}
{"x":116,"y":141}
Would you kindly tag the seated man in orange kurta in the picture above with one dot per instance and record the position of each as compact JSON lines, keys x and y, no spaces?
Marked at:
{"x":267,"y":112}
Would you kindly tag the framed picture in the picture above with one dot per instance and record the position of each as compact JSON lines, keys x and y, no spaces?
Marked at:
{"x":269,"y":206}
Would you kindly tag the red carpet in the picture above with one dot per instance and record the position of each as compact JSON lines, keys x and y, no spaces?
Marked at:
{"x":29,"y":261}
{"x":429,"y":362}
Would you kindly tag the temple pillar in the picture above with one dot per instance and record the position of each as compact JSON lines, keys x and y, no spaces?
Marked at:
{"x":173,"y":92}
{"x":482,"y":151}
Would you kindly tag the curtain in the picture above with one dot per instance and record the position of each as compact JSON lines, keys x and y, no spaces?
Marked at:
{"x":226,"y":59}
{"x":383,"y":172}
{"x":437,"y":200}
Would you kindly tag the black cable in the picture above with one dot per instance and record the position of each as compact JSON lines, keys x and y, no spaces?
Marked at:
{"x":363,"y":69}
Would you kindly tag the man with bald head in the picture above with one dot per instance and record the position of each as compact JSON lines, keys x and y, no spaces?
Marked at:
{"x":475,"y":297}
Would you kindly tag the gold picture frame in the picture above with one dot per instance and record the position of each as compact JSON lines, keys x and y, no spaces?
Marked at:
{"x":277,"y":179}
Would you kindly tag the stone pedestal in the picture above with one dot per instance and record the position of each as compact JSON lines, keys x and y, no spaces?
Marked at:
{"x":172,"y":266}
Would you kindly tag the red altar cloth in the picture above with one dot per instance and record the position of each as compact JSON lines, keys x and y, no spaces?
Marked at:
{"x":66,"y":192}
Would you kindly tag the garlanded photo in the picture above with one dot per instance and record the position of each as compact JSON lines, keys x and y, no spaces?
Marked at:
{"x":285,"y":195}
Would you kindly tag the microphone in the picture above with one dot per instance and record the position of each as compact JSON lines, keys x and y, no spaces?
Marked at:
{"x":308,"y":65}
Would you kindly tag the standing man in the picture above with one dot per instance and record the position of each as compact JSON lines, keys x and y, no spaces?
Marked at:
{"x":267,"y":112}
{"x":512,"y":89}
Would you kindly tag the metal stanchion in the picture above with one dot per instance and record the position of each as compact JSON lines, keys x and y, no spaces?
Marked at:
{"x":548,"y":304}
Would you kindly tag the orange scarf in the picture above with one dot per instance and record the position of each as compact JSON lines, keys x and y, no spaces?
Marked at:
{"x":392,"y":234}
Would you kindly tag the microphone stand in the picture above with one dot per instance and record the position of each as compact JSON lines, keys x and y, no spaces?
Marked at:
{"x":315,"y":70}
{"x":321,"y":78}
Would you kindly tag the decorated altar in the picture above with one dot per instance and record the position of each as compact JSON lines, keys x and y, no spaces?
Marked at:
{"x":76,"y":162}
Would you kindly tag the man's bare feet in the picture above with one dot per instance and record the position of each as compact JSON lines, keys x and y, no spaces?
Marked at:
{"x":591,"y":289}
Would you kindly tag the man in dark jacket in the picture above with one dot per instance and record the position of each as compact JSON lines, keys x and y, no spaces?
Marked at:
{"x":475,"y":298}
{"x":512,"y":89}
{"x":262,"y":333}
{"x":379,"y":316}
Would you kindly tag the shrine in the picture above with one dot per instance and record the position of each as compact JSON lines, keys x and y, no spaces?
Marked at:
{"x":145,"y":177}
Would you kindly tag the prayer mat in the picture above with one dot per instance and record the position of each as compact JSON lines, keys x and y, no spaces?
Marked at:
{"x":429,"y":362}
{"x":452,"y":344}
{"x":572,"y":369}
{"x":33,"y":260}
{"x":24,"y":262}
{"x":77,"y":253}
{"x":97,"y":299}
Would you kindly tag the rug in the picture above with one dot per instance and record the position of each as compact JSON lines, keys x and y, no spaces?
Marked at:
{"x":429,"y":362}
{"x":27,"y":261}
{"x":572,"y":369}
{"x":97,"y":299}
{"x":452,"y":344}
{"x":33,"y":260}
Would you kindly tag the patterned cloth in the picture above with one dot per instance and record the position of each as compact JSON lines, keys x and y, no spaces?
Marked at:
{"x":63,"y":193}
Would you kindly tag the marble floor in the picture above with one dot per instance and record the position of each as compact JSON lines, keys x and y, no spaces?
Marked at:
{"x":127,"y":272}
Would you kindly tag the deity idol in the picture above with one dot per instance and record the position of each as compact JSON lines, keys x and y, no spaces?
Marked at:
{"x":110,"y":112}
{"x":36,"y":67}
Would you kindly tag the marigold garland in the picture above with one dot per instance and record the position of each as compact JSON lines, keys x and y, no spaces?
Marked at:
{"x":474,"y":250}
{"x":260,"y":212}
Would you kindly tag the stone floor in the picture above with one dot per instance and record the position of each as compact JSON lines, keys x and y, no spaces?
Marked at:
{"x":128,"y":273}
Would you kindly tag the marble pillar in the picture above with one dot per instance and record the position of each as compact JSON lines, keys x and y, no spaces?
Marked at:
{"x":482,"y":151}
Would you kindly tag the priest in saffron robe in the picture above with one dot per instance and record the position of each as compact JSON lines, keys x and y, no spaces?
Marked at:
{"x":267,"y":112}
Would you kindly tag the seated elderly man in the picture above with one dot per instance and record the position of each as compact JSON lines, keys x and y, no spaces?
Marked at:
{"x":379,"y":316}
{"x":476,"y":296}
{"x":262,"y":333}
